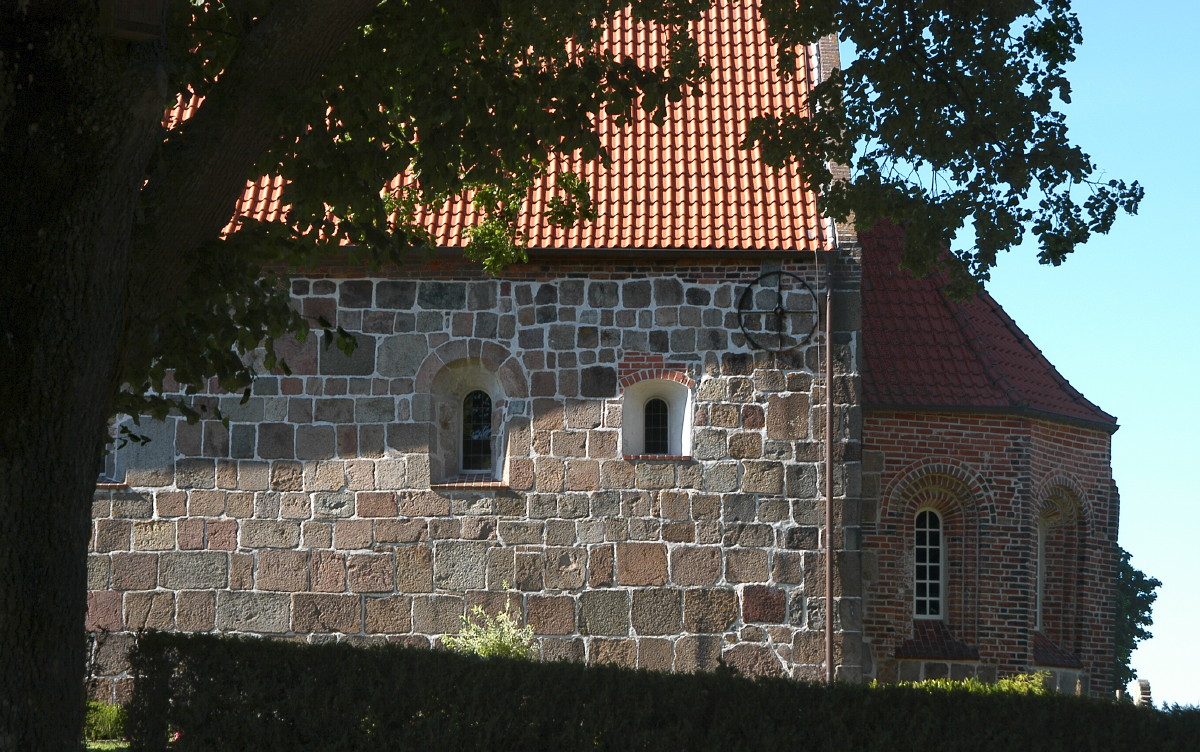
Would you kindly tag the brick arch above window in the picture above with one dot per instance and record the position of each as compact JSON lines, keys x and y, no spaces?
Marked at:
{"x":1063,"y":499}
{"x":935,"y":483}
{"x":959,"y":497}
{"x":641,"y":366}
{"x":678,"y":375}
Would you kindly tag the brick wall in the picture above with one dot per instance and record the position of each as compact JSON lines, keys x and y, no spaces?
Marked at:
{"x":992,"y":477}
{"x":330,"y":507}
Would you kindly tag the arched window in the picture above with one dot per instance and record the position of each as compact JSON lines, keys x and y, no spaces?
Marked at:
{"x":657,"y":426}
{"x":656,"y":419}
{"x":929,"y":560}
{"x":477,"y":432}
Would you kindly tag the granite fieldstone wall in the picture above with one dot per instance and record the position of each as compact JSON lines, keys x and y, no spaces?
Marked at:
{"x":332,"y":504}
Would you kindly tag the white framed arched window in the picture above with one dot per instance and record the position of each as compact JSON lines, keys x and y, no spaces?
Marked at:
{"x":929,"y":566}
{"x":656,"y":419}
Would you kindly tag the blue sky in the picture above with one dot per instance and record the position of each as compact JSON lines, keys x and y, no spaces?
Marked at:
{"x":1121,"y":318}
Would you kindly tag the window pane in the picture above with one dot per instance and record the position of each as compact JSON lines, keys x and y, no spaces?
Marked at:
{"x":927,"y":569}
{"x":657,"y":428}
{"x":477,"y":432}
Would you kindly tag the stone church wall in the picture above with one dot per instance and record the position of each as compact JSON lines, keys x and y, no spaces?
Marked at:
{"x":331,"y":505}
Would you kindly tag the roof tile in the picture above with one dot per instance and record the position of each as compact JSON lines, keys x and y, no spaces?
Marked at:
{"x":923,"y":350}
{"x":686,"y":184}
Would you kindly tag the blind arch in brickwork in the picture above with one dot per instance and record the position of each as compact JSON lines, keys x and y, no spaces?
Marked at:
{"x":1060,"y":529}
{"x":1060,"y":489}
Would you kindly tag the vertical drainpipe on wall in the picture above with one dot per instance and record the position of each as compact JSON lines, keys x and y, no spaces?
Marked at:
{"x":830,"y":228}
{"x":829,"y":673}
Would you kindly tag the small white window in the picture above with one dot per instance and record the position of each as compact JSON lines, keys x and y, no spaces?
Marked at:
{"x":656,"y":419}
{"x":929,"y":560}
{"x":656,"y":425}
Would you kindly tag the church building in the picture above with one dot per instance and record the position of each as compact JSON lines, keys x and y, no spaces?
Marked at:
{"x":710,"y":426}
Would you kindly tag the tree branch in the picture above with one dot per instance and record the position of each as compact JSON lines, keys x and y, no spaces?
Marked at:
{"x":204,"y":166}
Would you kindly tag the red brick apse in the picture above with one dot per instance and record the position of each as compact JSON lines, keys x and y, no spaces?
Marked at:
{"x":963,"y":416}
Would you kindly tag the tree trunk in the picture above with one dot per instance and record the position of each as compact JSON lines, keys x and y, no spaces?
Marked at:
{"x":79,"y":119}
{"x":45,"y":482}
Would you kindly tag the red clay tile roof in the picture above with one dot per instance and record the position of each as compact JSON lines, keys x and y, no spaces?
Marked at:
{"x":922,"y":350}
{"x":683,"y":185}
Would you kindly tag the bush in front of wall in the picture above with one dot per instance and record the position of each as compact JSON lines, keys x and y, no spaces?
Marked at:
{"x":1018,"y":684}
{"x":493,"y":636}
{"x":103,"y":722}
{"x":270,"y":695}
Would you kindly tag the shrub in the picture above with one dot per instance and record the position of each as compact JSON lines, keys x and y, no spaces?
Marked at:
{"x":1018,"y":684}
{"x":274,"y":696}
{"x":103,"y":721}
{"x":492,"y":636}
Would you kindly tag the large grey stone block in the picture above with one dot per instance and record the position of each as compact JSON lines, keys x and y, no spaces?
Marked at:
{"x":460,"y":565}
{"x":361,"y":362}
{"x":150,"y":464}
{"x":193,"y":570}
{"x":375,"y":410}
{"x":263,"y":613}
{"x":602,"y":294}
{"x":604,"y":612}
{"x":270,"y":533}
{"x":598,"y":381}
{"x":442,"y":295}
{"x":657,"y":611}
{"x":276,"y":441}
{"x":396,"y":294}
{"x":333,"y":504}
{"x":402,"y":354}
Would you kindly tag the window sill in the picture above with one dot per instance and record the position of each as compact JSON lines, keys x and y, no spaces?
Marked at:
{"x":657,"y":457}
{"x":106,"y":485}
{"x":468,"y":483}
{"x":932,"y":640}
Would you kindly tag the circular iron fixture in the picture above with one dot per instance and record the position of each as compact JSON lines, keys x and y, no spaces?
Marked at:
{"x":778,"y":312}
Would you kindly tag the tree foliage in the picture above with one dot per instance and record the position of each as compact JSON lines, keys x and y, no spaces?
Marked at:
{"x":453,"y":95}
{"x":1135,"y":600}
{"x":949,"y":120}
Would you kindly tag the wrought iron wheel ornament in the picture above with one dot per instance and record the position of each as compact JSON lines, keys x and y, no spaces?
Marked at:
{"x":778,"y":312}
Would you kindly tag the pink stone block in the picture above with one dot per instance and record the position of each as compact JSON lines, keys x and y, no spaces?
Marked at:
{"x":371,"y":573}
{"x":103,"y":611}
{"x":222,"y":535}
{"x":190,"y":534}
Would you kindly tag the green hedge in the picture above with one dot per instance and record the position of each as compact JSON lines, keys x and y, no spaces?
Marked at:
{"x":264,"y":695}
